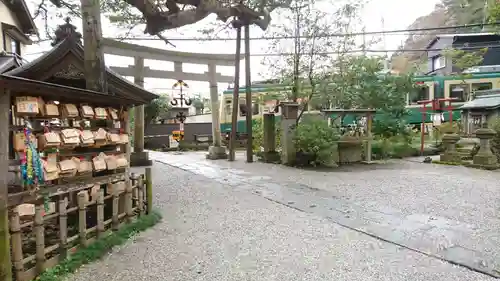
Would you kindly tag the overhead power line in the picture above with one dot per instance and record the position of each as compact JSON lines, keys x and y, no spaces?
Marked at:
{"x":411,"y":31}
{"x":466,"y":48}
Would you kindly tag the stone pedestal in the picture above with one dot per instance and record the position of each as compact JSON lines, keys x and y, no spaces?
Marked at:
{"x":269,"y":139}
{"x":216,"y":151}
{"x":138,"y":157}
{"x":288,"y":122}
{"x":484,"y":156}
{"x":450,"y":154}
{"x":350,"y":150}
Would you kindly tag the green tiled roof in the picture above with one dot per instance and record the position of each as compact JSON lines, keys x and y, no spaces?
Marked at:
{"x":486,"y":102}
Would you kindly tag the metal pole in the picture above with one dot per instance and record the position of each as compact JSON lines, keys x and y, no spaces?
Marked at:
{"x":422,"y":135}
{"x":248,"y":95}
{"x":450,"y":112}
{"x":182,"y":96}
{"x":236,"y":90}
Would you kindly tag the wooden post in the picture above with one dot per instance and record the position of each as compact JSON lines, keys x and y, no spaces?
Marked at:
{"x":82,"y":218}
{"x":95,"y":71}
{"x":128,"y":201}
{"x":149,"y":190}
{"x":134,"y":178}
{"x":140,"y":195}
{"x":139,"y":110}
{"x":39,"y":238}
{"x":368,"y":157}
{"x":422,"y":133}
{"x":5,"y":262}
{"x":63,"y":228}
{"x":100,"y":213}
{"x":17,"y":244}
{"x":236,"y":94}
{"x":115,"y":224}
{"x":126,"y":127}
{"x":248,"y":91}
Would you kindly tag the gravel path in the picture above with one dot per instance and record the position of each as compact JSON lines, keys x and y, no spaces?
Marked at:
{"x":444,"y":211}
{"x":212,"y":231}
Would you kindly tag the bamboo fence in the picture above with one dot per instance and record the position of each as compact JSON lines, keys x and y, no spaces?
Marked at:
{"x":126,"y":205}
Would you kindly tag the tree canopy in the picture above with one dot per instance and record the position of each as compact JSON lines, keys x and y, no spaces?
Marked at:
{"x":159,"y":16}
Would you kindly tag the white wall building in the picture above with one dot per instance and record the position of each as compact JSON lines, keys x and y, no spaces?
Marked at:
{"x":16,"y":25}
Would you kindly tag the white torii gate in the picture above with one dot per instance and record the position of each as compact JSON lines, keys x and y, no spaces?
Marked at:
{"x":139,"y":72}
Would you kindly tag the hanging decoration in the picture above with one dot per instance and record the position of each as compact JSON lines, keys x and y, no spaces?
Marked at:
{"x":31,"y":164}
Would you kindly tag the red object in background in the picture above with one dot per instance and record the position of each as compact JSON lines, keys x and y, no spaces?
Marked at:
{"x":436,"y":106}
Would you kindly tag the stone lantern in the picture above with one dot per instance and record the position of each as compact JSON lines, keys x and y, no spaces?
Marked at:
{"x":484,"y":156}
{"x":450,"y":153}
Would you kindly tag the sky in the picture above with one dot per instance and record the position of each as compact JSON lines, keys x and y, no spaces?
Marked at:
{"x":377,"y":15}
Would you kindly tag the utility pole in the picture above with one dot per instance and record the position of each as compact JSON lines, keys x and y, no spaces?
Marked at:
{"x":248,"y":92}
{"x":384,"y":42}
{"x":95,"y":69}
{"x":485,"y":15}
{"x":296,"y":59}
{"x":364,"y":40}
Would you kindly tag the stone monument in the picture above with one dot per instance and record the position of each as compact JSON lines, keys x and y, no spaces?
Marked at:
{"x":484,"y":157}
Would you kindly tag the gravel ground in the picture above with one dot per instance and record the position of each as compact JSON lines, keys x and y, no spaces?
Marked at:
{"x":446,"y":211}
{"x":212,"y":231}
{"x":458,"y":193}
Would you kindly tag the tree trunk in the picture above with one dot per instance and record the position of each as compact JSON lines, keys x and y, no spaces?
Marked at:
{"x":95,"y":69}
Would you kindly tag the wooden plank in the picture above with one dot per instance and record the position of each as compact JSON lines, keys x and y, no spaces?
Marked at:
{"x":91,"y":230}
{"x":82,"y":218}
{"x":128,"y":201}
{"x":50,"y":249}
{"x":149,"y":190}
{"x":5,"y":258}
{"x":63,"y":227}
{"x":100,"y":213}
{"x":26,"y":196}
{"x":115,"y":209}
{"x":39,"y":238}
{"x":17,"y":243}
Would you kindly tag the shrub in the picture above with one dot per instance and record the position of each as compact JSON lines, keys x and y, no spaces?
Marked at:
{"x":316,"y":141}
{"x":387,"y":126}
{"x":258,"y":134}
{"x":380,"y":149}
{"x":401,"y":150}
{"x":386,"y":148}
{"x":448,"y":128}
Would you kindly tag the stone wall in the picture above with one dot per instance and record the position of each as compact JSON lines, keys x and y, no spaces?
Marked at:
{"x":156,"y":134}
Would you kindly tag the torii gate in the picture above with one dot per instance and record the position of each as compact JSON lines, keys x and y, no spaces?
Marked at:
{"x":139,"y":72}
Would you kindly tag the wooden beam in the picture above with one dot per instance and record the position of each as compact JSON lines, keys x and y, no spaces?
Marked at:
{"x":164,"y":74}
{"x":61,"y":93}
{"x":118,"y":48}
